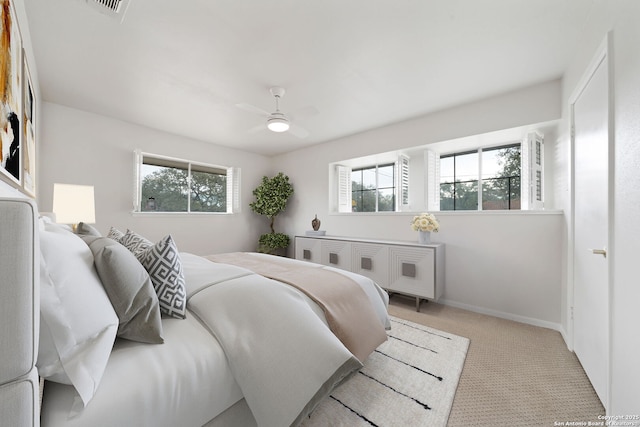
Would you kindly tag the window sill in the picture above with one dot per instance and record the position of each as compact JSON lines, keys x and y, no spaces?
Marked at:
{"x":169,"y":214}
{"x":454,"y":213}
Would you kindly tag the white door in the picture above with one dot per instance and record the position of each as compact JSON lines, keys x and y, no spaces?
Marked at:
{"x":591,"y":224}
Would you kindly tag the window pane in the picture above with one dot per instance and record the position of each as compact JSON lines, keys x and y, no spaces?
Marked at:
{"x":495,"y":193}
{"x":446,"y":197}
{"x":356,"y":201}
{"x":490,"y":165}
{"x":208,"y":192}
{"x":466,"y":167}
{"x":466,"y":196}
{"x":386,"y":176}
{"x":386,"y":200}
{"x":371,"y":182}
{"x":356,"y":180}
{"x":446,"y":169}
{"x":501,"y":193}
{"x":164,"y":189}
{"x":501,"y":162}
{"x":369,"y":178}
{"x":501,"y":178}
{"x":368,"y":201}
{"x":515,"y":193}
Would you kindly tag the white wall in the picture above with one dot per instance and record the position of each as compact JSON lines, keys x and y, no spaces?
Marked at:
{"x":9,"y":191}
{"x":621,"y":17}
{"x":505,"y":264}
{"x":77,"y":147}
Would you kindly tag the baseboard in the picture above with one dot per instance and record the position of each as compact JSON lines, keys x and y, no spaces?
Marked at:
{"x":509,"y":316}
{"x":565,"y":337}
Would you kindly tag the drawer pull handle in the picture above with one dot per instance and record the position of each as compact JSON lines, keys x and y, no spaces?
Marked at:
{"x":333,"y":258}
{"x":366,"y":263}
{"x":306,"y":254}
{"x":408,"y":270}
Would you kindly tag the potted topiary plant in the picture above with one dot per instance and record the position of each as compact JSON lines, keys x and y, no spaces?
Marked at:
{"x":271,"y":199}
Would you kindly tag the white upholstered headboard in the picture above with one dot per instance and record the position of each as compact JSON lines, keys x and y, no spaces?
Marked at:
{"x":19,"y":312}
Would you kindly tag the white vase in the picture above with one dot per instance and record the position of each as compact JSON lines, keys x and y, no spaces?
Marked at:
{"x":424,"y":237}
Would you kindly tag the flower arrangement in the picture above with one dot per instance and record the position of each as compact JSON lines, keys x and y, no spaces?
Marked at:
{"x":425,"y":222}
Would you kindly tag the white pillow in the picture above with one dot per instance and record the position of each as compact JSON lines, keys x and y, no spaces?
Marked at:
{"x":78,"y":322}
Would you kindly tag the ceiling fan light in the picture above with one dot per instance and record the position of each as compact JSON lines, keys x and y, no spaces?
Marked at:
{"x":278,"y":124}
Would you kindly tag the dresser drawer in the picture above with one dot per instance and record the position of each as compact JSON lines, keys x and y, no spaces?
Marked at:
{"x":308,"y":249}
{"x":412,"y":271}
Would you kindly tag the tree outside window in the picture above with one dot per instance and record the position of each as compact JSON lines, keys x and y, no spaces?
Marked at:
{"x":175,"y":186}
{"x":373,"y":189}
{"x":501,"y":178}
{"x":499,"y":183}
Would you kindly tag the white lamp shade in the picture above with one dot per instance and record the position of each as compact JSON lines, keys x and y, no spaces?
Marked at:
{"x":73,"y":204}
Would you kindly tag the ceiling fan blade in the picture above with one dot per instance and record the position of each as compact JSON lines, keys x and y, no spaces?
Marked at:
{"x":258,"y":128}
{"x":252,"y":109}
{"x":298,"y":131}
{"x":308,"y":111}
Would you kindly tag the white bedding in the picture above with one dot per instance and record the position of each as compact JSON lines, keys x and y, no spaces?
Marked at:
{"x":285,"y":363}
{"x":199,"y":271}
{"x":230,"y":346}
{"x":151,"y":385}
{"x":283,"y":356}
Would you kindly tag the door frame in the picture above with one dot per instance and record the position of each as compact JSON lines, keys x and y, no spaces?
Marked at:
{"x":602,"y":56}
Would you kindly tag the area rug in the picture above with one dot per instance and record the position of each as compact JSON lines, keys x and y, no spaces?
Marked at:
{"x":410,"y":380}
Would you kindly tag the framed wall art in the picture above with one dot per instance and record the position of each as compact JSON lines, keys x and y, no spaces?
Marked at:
{"x":28,"y":147}
{"x":10,"y":94}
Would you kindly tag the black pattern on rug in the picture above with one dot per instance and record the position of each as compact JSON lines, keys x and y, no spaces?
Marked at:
{"x":409,"y":380}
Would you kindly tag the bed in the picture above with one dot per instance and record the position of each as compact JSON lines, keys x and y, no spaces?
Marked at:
{"x":212,"y":343}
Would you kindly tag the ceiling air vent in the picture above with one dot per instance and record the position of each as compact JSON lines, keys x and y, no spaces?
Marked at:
{"x":114,"y":8}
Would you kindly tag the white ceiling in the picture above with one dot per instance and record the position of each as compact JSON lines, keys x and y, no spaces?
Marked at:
{"x":181,"y":66}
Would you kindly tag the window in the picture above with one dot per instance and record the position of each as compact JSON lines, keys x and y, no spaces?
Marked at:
{"x":459,"y":182}
{"x":172,"y":185}
{"x":373,"y":189}
{"x":501,"y":178}
{"x":488,"y":177}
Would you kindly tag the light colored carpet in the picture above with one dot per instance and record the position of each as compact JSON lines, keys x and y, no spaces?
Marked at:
{"x":410,"y":380}
{"x":514,"y":374}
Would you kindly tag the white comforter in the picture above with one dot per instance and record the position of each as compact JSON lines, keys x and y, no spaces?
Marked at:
{"x":280,"y":351}
{"x":244,"y":335}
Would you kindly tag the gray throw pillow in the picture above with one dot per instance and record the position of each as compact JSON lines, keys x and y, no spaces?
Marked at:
{"x":85,"y":229}
{"x":129,"y":289}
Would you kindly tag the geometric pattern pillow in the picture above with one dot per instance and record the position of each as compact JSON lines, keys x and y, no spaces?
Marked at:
{"x":115,"y":234}
{"x":135,"y":243}
{"x":162,"y":262}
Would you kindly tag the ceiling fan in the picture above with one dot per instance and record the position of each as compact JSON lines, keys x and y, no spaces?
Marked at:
{"x":277,"y":121}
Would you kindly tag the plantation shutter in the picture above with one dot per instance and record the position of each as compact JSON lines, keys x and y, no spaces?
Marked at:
{"x":532,"y":174}
{"x":233,"y":190}
{"x":344,"y":188}
{"x":403,"y":180}
{"x":137,"y":186}
{"x":432,"y":187}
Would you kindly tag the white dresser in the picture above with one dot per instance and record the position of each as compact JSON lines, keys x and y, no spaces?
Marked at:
{"x":399,"y":267}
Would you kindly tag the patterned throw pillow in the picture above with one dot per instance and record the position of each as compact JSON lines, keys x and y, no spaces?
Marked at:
{"x":135,"y":243}
{"x":162,"y":262}
{"x":115,"y":234}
